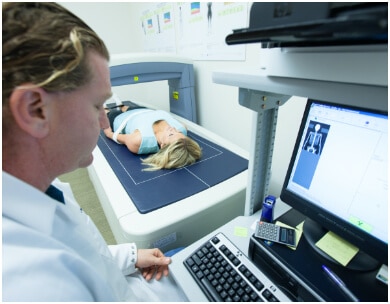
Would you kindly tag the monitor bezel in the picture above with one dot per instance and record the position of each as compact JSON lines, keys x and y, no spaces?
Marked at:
{"x":367,"y":243}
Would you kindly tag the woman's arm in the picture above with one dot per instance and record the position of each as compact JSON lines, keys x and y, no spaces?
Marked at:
{"x":132,"y":141}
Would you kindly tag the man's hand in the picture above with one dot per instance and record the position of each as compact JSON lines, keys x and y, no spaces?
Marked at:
{"x":152,"y":262}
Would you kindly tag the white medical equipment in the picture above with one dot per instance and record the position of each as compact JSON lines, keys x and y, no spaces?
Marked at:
{"x":184,"y":221}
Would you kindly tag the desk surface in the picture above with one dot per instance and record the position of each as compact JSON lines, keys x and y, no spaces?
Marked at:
{"x":231,"y":229}
{"x":239,"y":231}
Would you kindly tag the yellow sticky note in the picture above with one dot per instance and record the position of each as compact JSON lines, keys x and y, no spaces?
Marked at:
{"x":241,"y":231}
{"x":338,"y":248}
{"x":298,"y":232}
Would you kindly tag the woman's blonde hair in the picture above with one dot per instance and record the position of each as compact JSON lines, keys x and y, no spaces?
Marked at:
{"x":183,"y":152}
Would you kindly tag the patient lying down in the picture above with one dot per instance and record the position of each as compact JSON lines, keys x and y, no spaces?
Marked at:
{"x":156,"y":132}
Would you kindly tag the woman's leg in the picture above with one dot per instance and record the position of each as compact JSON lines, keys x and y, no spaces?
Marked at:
{"x":112,"y":115}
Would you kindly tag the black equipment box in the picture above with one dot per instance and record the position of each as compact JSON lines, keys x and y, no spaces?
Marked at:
{"x":295,"y":24}
{"x":300,"y":271}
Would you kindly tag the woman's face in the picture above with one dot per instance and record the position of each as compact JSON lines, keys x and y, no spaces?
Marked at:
{"x":170,"y":135}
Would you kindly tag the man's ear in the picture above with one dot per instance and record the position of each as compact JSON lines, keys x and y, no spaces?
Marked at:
{"x":29,"y":107}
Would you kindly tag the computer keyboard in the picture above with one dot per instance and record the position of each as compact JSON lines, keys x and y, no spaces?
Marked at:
{"x":225,"y":274}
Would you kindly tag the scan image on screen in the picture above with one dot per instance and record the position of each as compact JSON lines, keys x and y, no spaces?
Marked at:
{"x":313,"y":144}
{"x":338,"y":174}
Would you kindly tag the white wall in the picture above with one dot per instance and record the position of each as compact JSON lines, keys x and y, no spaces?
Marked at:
{"x":111,"y":21}
{"x":218,"y":108}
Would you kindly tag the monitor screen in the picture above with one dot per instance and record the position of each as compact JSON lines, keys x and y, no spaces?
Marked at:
{"x":337,"y":176}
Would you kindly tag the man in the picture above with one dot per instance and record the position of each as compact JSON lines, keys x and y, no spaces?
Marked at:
{"x":55,"y":81}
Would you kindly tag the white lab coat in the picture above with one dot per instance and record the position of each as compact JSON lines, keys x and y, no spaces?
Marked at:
{"x":54,"y":252}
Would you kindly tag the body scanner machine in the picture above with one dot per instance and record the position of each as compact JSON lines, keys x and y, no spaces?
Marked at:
{"x":187,"y":217}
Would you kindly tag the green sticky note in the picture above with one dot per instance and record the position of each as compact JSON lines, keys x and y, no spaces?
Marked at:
{"x":359,"y":223}
{"x":241,"y":231}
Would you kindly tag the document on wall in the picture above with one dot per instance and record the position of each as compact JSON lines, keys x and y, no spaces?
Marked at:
{"x":158,"y":27}
{"x":194,"y":29}
{"x":203,"y":27}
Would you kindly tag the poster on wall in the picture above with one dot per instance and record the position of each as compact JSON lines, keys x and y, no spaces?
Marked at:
{"x":158,"y":26}
{"x":194,"y":29}
{"x":203,"y":26}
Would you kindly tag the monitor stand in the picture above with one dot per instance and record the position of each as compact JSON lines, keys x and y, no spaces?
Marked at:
{"x":313,"y":232}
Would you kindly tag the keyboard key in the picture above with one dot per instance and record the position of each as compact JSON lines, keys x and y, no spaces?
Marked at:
{"x":215,"y":240}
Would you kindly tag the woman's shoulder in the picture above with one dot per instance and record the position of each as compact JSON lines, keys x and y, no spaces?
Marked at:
{"x":167,"y":116}
{"x":163,"y":113}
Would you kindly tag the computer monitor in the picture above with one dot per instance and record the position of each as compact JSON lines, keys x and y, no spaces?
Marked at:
{"x":337,"y":178}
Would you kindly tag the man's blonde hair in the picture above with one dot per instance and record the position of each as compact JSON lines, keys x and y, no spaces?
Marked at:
{"x":182,"y":152}
{"x":45,"y":45}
